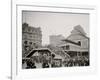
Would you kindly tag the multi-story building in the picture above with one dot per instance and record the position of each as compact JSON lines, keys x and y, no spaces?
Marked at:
{"x":31,"y":38}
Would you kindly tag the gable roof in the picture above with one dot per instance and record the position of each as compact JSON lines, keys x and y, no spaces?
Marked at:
{"x":77,"y":33}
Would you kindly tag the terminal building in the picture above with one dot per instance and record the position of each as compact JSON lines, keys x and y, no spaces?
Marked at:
{"x":31,"y":38}
{"x":77,"y":43}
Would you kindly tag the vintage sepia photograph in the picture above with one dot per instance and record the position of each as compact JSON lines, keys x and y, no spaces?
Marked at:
{"x":55,"y":39}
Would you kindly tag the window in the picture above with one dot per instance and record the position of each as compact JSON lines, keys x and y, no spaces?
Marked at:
{"x":79,"y":42}
{"x":25,"y":36}
{"x":30,"y":42}
{"x":29,"y":29}
{"x":67,"y":47}
{"x":25,"y":42}
{"x":30,"y":36}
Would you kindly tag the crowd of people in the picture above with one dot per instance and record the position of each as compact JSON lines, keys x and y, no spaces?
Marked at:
{"x":30,"y":64}
{"x":83,"y":61}
{"x":76,"y":62}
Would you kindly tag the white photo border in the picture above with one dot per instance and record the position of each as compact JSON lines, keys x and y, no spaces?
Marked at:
{"x":18,"y":73}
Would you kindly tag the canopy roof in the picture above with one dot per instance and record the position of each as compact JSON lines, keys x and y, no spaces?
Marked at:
{"x":38,"y":50}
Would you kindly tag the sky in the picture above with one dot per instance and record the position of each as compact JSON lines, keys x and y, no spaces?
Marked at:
{"x":55,"y":23}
